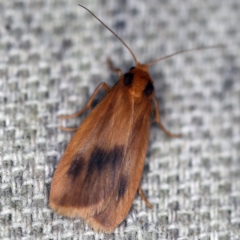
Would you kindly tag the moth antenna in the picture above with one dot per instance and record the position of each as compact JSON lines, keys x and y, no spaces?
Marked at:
{"x":134,"y":57}
{"x":184,"y":51}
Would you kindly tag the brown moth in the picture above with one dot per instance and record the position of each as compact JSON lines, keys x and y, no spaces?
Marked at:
{"x":100,"y":171}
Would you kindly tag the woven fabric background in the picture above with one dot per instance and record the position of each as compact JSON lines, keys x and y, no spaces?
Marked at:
{"x":53,"y":55}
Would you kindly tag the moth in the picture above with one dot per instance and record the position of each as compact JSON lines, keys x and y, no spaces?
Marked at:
{"x":100,"y":171}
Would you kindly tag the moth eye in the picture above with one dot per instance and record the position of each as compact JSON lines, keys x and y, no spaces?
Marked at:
{"x":128,"y":79}
{"x":131,"y":68}
{"x":148,"y":89}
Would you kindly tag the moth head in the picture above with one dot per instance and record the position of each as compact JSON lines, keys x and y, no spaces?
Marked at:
{"x":138,"y":81}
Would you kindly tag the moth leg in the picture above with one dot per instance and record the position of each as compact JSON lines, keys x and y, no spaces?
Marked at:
{"x":140,"y":192}
{"x":89,"y":103}
{"x":68,"y":129}
{"x":113,"y":68}
{"x":158,"y":121}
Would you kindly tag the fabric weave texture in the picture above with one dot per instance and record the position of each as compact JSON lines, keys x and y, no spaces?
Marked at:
{"x":52,"y":56}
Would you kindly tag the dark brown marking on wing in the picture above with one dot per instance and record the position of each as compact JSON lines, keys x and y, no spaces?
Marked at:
{"x":97,"y":160}
{"x":76,"y":167}
{"x":128,"y":79}
{"x":93,"y":181}
{"x":100,"y":159}
{"x":122,"y":186}
{"x":148,"y":89}
{"x":101,"y":175}
{"x":117,"y":155}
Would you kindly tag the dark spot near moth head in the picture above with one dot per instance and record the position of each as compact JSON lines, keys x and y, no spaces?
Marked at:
{"x":148,"y":89}
{"x":128,"y":79}
{"x":131,"y":68}
{"x":75,"y":167}
{"x":122,"y":186}
{"x":102,"y":158}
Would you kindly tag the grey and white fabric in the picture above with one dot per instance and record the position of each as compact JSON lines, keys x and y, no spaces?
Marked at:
{"x":52,"y":56}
